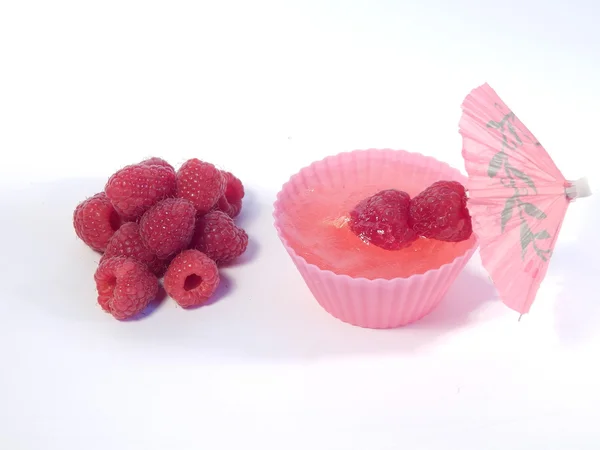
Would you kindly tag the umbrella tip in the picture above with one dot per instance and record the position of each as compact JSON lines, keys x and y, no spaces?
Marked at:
{"x":578,"y":189}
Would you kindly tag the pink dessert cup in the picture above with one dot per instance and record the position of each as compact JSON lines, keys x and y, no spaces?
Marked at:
{"x":372,"y":303}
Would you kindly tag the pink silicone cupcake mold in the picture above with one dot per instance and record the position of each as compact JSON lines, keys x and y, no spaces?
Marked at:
{"x":372,"y":303}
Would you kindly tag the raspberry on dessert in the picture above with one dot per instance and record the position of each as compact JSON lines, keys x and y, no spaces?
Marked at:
{"x":382,"y":220}
{"x":440,"y":212}
{"x":191,"y":279}
{"x":128,"y":242}
{"x":125,"y":286}
{"x":135,"y":188}
{"x":201,"y":183}
{"x":154,"y":161}
{"x":219,"y":237}
{"x":168,"y":226}
{"x":231,"y":202}
{"x":95,"y":221}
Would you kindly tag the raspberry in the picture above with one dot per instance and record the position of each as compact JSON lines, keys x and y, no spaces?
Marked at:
{"x":125,"y":286}
{"x":95,"y":221}
{"x":219,"y":238}
{"x":168,"y":226}
{"x":128,"y":242}
{"x":382,"y":220}
{"x":201,"y":183}
{"x":440,"y":212}
{"x":156,"y":162}
{"x":231,"y":202}
{"x":135,"y":188}
{"x":191,"y":279}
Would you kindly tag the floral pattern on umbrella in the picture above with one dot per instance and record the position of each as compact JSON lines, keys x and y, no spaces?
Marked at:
{"x":517,"y":196}
{"x":513,"y":138}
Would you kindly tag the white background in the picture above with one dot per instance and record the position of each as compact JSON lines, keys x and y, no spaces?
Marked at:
{"x":263,"y":88}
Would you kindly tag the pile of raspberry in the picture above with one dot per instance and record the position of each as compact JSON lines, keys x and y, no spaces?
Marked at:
{"x":390,"y":219}
{"x":152,"y":221}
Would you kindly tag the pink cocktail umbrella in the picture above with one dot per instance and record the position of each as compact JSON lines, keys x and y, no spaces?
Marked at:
{"x":518,"y":198}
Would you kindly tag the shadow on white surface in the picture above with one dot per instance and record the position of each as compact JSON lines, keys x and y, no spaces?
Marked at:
{"x":263,"y":309}
{"x":577,"y":266}
{"x":250,"y":210}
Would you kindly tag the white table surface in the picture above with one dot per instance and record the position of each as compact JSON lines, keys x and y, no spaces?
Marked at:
{"x":262,"y":89}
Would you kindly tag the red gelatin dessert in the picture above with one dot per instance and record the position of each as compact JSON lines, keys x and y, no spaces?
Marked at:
{"x":353,"y":279}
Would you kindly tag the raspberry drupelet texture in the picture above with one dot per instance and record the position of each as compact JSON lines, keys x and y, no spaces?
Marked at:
{"x":440,"y":212}
{"x":191,"y":279}
{"x":95,"y":221}
{"x":382,"y":220}
{"x":135,"y":188}
{"x":231,"y":202}
{"x":154,"y":161}
{"x":125,"y":286}
{"x":168,"y":226}
{"x":128,"y":242}
{"x":201,"y":183}
{"x":219,"y":237}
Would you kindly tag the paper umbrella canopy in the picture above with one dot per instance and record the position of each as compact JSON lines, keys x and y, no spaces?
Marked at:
{"x":518,"y":198}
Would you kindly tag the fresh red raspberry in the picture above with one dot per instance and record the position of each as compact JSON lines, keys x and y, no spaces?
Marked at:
{"x":154,"y":161}
{"x":440,"y":212}
{"x":382,"y":220}
{"x":231,"y":202}
{"x":191,"y":279}
{"x":201,"y":183}
{"x":135,"y":188}
{"x":128,"y":242}
{"x":219,"y":238}
{"x":168,"y":226}
{"x":125,"y":286}
{"x":95,"y":221}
